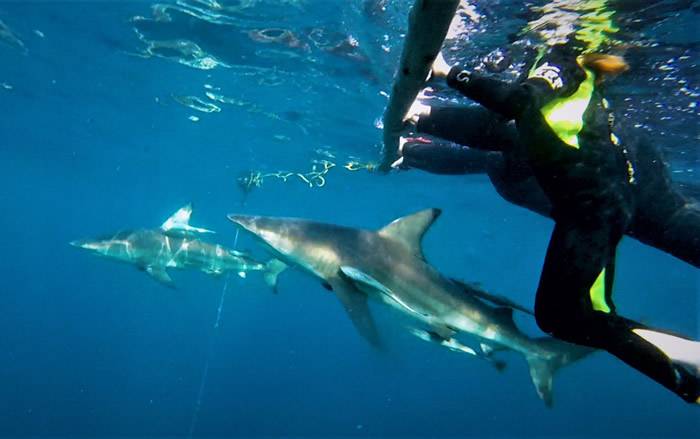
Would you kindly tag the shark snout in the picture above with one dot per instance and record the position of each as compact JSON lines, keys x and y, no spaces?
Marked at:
{"x":268,"y":230}
{"x":245,"y":221}
{"x":87,"y":244}
{"x":82,"y":243}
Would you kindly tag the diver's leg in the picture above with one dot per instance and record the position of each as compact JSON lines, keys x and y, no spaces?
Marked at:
{"x":513,"y":179}
{"x":472,"y":126}
{"x":665,"y":217}
{"x":441,"y":157}
{"x":573,"y":303}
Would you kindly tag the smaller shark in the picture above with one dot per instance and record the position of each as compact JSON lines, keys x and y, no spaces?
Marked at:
{"x":388,"y":265}
{"x":175,"y":244}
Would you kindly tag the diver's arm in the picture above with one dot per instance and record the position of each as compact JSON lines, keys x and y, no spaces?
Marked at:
{"x":667,"y":215}
{"x":502,"y":97}
{"x":472,"y":126}
{"x":499,"y":96}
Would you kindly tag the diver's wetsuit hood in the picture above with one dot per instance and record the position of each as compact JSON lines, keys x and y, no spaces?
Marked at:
{"x":560,"y":69}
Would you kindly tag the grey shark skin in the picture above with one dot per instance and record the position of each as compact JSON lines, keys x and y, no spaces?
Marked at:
{"x":8,"y":37}
{"x":175,"y":245}
{"x":389,"y":265}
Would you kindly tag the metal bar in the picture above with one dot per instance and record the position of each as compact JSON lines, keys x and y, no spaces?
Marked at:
{"x":428,"y":23}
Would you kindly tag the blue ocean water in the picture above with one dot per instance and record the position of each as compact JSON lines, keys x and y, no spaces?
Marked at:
{"x":107,"y":125}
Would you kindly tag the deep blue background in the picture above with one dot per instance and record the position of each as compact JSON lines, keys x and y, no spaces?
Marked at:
{"x":92,"y":142}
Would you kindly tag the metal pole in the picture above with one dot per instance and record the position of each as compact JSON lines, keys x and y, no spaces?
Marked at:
{"x":428,"y":23}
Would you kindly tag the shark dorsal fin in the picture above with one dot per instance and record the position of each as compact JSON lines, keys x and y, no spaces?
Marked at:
{"x":179,"y":222}
{"x":178,"y":219}
{"x":410,"y":229}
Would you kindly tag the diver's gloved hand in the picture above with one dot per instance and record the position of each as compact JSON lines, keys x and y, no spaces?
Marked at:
{"x":418,"y":108}
{"x":418,"y":160}
{"x":398,"y":164}
{"x":440,"y":67}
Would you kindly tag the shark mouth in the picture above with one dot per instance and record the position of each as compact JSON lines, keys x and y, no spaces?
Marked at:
{"x":250,"y":224}
{"x":269,"y":232}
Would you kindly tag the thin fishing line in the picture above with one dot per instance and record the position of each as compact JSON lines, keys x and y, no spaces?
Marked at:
{"x":198,"y":403}
{"x":221,"y":304}
{"x":205,"y":371}
{"x":235,"y":240}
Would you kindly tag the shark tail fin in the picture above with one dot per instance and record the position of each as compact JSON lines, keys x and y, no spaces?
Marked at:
{"x":543,"y":368}
{"x":273,"y":268}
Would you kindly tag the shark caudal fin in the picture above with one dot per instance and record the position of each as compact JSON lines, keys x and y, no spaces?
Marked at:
{"x":273,"y":268}
{"x":543,"y":368}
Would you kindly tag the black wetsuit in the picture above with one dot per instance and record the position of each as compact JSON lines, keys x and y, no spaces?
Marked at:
{"x":588,"y":179}
{"x":665,"y":216}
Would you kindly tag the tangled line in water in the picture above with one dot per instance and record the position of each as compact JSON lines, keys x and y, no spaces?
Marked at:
{"x":315,"y":178}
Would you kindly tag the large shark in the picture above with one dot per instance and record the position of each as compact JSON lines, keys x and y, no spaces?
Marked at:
{"x":176,"y":245}
{"x":389,"y":265}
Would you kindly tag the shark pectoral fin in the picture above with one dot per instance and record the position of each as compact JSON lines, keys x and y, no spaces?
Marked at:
{"x":410,"y":229}
{"x":476,"y":291}
{"x":366,"y":283}
{"x":363,"y":281}
{"x":159,"y":274}
{"x":355,"y":304}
